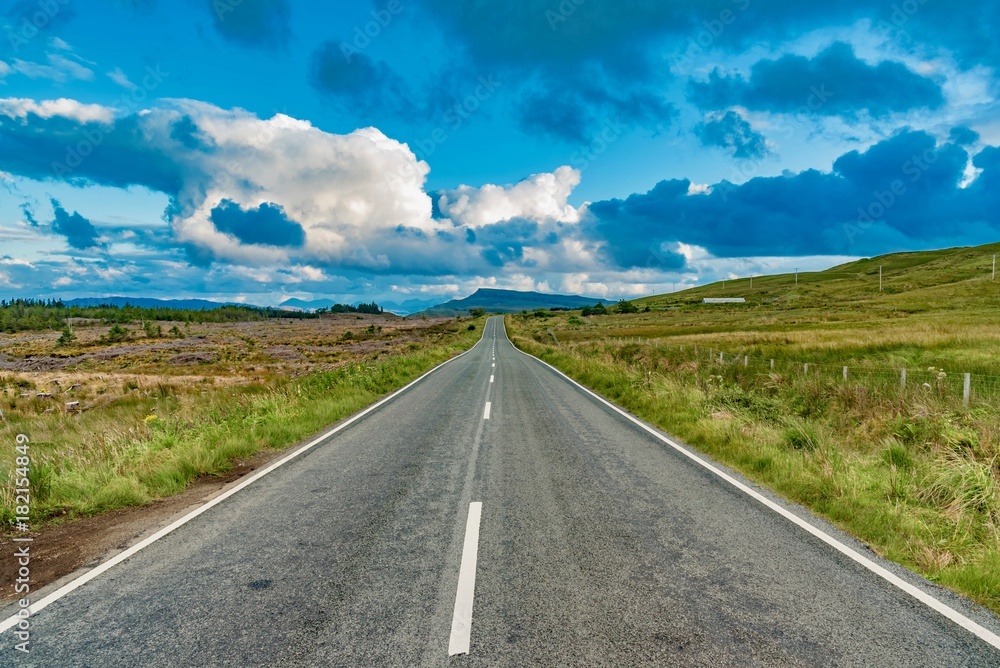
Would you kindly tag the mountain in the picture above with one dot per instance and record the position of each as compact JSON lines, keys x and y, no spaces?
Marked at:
{"x":149,"y":302}
{"x":295,"y":304}
{"x":409,"y":306}
{"x":508,"y":301}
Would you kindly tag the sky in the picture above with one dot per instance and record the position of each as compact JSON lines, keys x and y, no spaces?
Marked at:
{"x":258,"y":150}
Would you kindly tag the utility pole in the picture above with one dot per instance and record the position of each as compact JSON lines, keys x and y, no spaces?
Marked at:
{"x":796,"y":275}
{"x":880,"y":278}
{"x":751,"y":281}
{"x":994,"y":266}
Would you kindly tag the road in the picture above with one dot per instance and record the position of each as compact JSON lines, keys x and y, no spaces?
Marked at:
{"x":597,"y":545}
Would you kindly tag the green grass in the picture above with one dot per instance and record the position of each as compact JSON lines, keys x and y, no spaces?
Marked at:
{"x":152,"y":444}
{"x":912,"y":472}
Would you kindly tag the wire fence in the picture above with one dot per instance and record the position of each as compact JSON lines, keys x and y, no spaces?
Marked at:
{"x":969,"y":387}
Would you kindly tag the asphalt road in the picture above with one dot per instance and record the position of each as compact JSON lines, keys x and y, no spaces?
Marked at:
{"x":598,"y":545}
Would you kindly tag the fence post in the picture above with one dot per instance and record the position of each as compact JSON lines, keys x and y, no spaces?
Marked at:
{"x":720,"y":357}
{"x":772,"y":364}
{"x":966,"y":389}
{"x":805,"y":369}
{"x":746,"y":360}
{"x":902,"y":379}
{"x":845,"y":373}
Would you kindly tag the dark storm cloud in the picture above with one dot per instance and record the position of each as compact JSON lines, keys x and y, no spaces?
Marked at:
{"x":117,"y":154}
{"x":902,"y":193}
{"x":836,"y":82}
{"x":80,"y":233}
{"x":253,"y":23}
{"x":359,"y":82}
{"x":267,"y":224}
{"x":733,"y":133}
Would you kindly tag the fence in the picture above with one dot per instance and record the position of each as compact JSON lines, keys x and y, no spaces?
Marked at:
{"x":968,"y":386}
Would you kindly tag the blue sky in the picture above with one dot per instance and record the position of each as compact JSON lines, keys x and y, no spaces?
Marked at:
{"x":257,"y":150}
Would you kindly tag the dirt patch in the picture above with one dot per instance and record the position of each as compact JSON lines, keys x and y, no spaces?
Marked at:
{"x":60,"y":549}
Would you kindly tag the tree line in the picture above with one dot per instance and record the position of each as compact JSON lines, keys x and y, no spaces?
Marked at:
{"x":40,"y":314}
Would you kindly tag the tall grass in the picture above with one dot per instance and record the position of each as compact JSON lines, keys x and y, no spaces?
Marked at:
{"x":913,"y":473}
{"x":153,"y":442}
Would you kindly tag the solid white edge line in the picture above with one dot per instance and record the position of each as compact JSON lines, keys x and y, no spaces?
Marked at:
{"x":486,"y":411}
{"x":78,"y":582}
{"x":934,"y":604}
{"x":461,"y":621}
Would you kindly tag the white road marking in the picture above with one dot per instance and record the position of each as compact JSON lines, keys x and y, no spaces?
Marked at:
{"x":461,"y":621}
{"x":494,"y":365}
{"x":69,"y":587}
{"x":491,"y":379}
{"x":486,"y":413}
{"x":934,"y":604}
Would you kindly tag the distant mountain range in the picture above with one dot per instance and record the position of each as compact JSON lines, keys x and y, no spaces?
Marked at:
{"x":508,"y":301}
{"x":149,"y":302}
{"x":399,"y":308}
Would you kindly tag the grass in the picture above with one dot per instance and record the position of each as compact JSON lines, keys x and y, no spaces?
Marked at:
{"x":155,"y":436}
{"x":912,"y":472}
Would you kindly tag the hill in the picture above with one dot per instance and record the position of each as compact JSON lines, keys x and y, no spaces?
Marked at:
{"x":508,"y":301}
{"x":947,"y":279}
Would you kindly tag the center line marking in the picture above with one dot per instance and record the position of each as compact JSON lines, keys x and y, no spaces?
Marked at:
{"x":491,"y":379}
{"x":461,"y":622}
{"x":486,"y":413}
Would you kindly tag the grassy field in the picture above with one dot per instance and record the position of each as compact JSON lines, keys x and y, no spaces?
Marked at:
{"x":912,"y":471}
{"x":154,"y":413}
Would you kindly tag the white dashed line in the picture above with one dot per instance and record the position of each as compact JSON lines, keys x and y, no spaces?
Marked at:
{"x":486,"y":413}
{"x":461,"y":621}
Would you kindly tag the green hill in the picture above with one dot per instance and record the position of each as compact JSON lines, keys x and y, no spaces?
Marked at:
{"x":952,"y":278}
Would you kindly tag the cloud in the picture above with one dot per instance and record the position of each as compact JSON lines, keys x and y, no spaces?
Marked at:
{"x":60,"y":69}
{"x":120,"y":78}
{"x":79,"y":232}
{"x":571,"y":107}
{"x":903,"y":193}
{"x":267,"y":224}
{"x":21,"y":108}
{"x":835,"y":82}
{"x":362,"y":85}
{"x":252,"y":23}
{"x":733,"y":133}
{"x":539,"y":197}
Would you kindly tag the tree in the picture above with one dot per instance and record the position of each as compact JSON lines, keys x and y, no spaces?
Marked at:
{"x":625,"y":306}
{"x":597,"y":309}
{"x":477,"y":312}
{"x":67,"y":337}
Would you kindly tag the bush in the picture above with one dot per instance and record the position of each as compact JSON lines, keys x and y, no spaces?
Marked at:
{"x":471,"y":328}
{"x":116,"y":334}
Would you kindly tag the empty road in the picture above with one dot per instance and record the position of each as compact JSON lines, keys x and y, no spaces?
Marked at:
{"x":497,"y":509}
